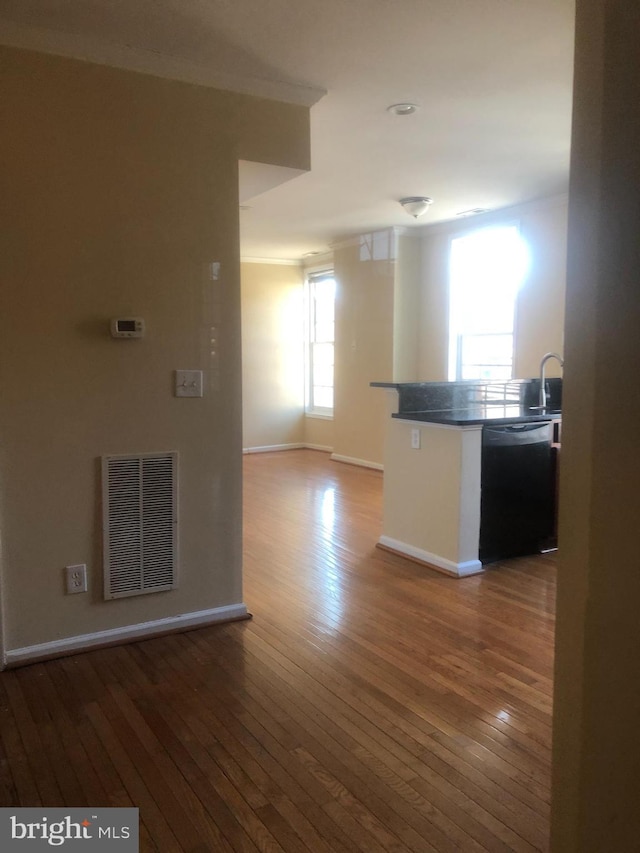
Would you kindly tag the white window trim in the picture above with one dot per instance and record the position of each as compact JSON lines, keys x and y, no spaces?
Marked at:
{"x":322,"y":413}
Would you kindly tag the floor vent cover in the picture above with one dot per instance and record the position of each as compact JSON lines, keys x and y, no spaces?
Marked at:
{"x":140,"y":523}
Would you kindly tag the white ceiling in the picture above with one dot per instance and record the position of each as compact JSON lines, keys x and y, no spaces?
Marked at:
{"x":492,"y":77}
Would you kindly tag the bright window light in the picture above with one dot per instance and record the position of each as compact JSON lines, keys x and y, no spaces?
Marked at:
{"x":487,"y":268}
{"x":320,"y":344}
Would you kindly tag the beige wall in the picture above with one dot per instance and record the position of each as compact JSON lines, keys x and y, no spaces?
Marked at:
{"x":597,"y":693}
{"x":119,"y":190}
{"x":273,"y":378}
{"x":365,"y":274}
{"x":433,"y":342}
{"x":540,"y":307}
{"x":318,"y":433}
{"x":432,"y":494}
{"x":272,"y":355}
{"x":392,"y":314}
{"x":407,"y":297}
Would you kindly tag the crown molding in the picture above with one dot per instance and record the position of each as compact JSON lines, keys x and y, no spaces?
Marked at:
{"x":88,"y":49}
{"x":315,"y":263}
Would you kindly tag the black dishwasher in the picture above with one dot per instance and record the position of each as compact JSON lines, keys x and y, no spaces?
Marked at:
{"x":517,"y":507}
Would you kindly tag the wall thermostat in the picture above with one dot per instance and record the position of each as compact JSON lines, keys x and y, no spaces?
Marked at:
{"x":127,"y":327}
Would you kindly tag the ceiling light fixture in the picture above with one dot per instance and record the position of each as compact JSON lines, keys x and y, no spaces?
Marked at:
{"x":416,"y":205}
{"x":405,"y":109}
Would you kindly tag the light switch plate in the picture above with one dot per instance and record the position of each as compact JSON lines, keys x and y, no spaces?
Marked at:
{"x":415,"y":439}
{"x":188,"y":383}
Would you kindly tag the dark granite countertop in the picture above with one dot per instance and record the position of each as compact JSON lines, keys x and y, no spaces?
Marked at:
{"x":478,"y":415}
{"x":472,"y":403}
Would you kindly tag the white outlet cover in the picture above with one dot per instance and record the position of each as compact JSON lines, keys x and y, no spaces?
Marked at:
{"x":76,"y":578}
{"x":188,"y":383}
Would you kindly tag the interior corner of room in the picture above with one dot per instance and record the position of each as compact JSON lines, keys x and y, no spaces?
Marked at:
{"x":391,"y":323}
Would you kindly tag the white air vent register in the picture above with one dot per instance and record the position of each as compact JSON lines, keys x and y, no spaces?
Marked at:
{"x":140,"y":523}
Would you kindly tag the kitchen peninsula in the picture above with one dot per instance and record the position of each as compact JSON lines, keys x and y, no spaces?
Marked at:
{"x":447,"y":502}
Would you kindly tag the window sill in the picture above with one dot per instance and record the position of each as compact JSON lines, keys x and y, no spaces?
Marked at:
{"x":321,"y":416}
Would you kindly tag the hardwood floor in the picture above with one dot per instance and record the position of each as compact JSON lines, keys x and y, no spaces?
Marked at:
{"x":370,"y":705}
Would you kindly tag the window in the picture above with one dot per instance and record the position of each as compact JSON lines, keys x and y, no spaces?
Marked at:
{"x":486,"y":270}
{"x":321,"y":288}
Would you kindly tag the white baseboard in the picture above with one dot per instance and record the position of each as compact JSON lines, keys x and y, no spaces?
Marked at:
{"x":269,"y":448}
{"x":352,"y":460}
{"x":336,"y":457}
{"x":129,"y":633}
{"x":459,"y":570}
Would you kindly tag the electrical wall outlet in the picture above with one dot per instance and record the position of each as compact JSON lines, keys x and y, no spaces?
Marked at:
{"x":415,"y":439}
{"x":76,"y":578}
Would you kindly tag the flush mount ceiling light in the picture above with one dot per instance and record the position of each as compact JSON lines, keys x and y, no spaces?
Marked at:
{"x":416,"y":205}
{"x":404,"y":109}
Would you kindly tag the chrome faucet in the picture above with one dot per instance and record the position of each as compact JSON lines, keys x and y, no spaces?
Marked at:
{"x":543,"y":363}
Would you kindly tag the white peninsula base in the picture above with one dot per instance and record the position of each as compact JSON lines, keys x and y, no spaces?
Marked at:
{"x":432,"y":494}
